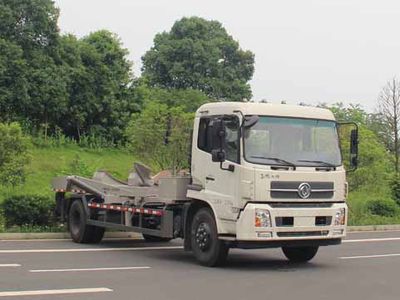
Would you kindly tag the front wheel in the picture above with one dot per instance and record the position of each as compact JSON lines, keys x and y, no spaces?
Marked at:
{"x":207,"y":248}
{"x":300,"y":254}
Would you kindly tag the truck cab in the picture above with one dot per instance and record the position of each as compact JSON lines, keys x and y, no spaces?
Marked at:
{"x":272,"y":175}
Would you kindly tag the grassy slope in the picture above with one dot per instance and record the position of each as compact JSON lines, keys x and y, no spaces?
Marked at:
{"x":49,"y":162}
{"x":359,"y":214}
{"x":52,"y":161}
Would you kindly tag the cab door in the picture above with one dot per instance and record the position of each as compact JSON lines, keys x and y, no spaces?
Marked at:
{"x":222,"y":179}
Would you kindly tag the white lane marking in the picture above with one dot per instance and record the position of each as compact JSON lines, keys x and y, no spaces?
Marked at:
{"x":372,"y":240}
{"x":87,"y":249}
{"x":54,"y":292}
{"x":370,"y":256}
{"x":90,"y":269}
{"x":9,"y":265}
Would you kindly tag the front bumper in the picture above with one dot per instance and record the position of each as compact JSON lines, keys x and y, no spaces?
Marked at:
{"x":303,"y":224}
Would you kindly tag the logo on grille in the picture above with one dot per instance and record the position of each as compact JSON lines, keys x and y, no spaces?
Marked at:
{"x":304,"y":190}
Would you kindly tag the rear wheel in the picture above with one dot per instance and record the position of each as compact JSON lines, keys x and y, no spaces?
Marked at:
{"x":79,"y":230}
{"x":300,"y":254}
{"x":207,"y":248}
{"x":154,"y":239}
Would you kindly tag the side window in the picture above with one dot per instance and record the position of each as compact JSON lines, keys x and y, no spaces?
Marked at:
{"x":232,"y":139}
{"x":204,"y":136}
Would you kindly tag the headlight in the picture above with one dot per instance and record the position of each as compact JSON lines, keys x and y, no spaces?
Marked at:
{"x":262,"y":218}
{"x":340,"y":217}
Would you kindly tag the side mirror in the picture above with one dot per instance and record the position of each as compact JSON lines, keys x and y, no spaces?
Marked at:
{"x":218,"y":133}
{"x":348,"y":133}
{"x":354,"y":148}
{"x":354,"y":141}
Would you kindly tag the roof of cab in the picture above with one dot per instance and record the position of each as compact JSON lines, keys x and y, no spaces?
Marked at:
{"x":267,"y":109}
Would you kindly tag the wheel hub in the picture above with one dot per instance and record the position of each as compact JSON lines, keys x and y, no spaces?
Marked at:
{"x":203,"y":236}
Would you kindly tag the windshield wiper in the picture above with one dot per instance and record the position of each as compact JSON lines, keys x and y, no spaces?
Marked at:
{"x":279,"y":160}
{"x":325,"y":163}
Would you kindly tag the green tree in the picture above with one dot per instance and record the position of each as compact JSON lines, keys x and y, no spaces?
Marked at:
{"x":48,"y":96}
{"x":200,"y":54}
{"x":160,"y":136}
{"x":102,"y":92}
{"x":34,"y":83}
{"x":83,"y":86}
{"x":31,"y":24}
{"x":78,"y":86}
{"x":377,"y":123}
{"x":107,"y":97}
{"x":189,"y":99}
{"x":13,"y":154}
{"x":13,"y":81}
{"x":352,"y":113}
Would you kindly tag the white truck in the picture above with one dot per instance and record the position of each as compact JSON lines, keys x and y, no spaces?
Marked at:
{"x":262,"y":175}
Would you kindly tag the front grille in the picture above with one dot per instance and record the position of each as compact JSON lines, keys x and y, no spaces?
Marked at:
{"x":303,"y":233}
{"x":288,"y":190}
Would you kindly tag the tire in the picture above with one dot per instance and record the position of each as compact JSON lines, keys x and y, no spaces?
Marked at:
{"x":300,"y":254}
{"x":81,"y":232}
{"x":154,"y":239}
{"x":207,"y":248}
{"x":97,"y":234}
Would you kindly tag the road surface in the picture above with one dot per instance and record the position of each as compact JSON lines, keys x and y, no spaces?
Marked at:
{"x":366,"y":266}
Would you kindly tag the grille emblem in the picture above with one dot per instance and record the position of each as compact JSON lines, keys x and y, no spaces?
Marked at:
{"x":304,"y":190}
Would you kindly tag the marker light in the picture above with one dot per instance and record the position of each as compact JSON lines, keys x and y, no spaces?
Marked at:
{"x":262,"y":218}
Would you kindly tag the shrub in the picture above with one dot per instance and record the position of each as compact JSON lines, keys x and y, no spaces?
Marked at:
{"x":79,"y":167}
{"x":13,"y":154}
{"x":383,"y":207}
{"x":395,"y":187}
{"x":30,"y":210}
{"x":160,"y":136}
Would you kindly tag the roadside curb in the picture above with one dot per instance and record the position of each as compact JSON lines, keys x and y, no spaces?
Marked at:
{"x":138,"y":236}
{"x":64,"y":235}
{"x":373,"y":228}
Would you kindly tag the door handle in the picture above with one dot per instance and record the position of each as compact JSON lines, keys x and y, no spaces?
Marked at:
{"x":210,"y":178}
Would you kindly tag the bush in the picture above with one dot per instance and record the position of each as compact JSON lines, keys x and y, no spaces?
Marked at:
{"x":160,"y":136}
{"x":79,"y":167}
{"x":13,"y":154}
{"x":395,"y":187}
{"x":383,"y":207}
{"x":28,"y":210}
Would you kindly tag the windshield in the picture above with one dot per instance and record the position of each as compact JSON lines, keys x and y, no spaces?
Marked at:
{"x":291,"y":141}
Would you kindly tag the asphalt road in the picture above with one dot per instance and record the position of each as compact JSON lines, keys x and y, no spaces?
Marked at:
{"x":366,"y":266}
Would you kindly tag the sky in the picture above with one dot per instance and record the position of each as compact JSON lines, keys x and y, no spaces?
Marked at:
{"x":311,"y":51}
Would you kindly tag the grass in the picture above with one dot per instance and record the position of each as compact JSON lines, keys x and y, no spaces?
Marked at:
{"x":48,"y":162}
{"x":33,"y":229}
{"x":359,"y":214}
